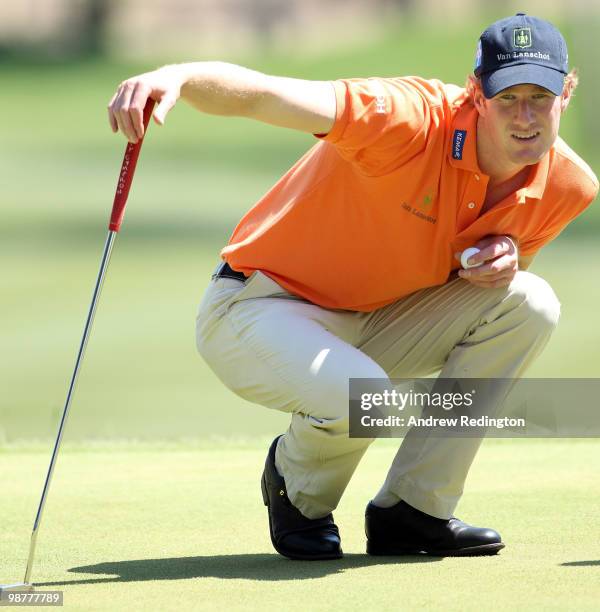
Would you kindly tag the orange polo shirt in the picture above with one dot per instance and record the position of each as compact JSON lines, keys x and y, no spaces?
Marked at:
{"x":377,"y":208}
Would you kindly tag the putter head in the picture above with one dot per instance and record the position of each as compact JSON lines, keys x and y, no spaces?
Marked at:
{"x":19,"y":587}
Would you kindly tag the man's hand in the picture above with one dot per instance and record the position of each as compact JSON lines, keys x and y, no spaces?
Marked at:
{"x":499,"y":262}
{"x":126,"y":107}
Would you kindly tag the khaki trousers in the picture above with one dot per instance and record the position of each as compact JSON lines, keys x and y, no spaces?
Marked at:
{"x":283,"y":352}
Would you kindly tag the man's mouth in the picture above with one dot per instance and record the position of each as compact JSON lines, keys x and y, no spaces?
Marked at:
{"x":525,"y":136}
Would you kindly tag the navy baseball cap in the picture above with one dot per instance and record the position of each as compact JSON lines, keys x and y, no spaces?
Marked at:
{"x":521,"y":49}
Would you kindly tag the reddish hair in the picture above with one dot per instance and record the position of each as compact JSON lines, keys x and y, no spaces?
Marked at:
{"x":571,"y":81}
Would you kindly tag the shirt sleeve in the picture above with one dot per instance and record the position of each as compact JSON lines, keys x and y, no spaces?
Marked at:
{"x":382,"y":123}
{"x":552,"y":229}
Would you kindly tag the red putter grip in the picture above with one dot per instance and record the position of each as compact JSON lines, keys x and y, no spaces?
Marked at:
{"x":132,"y":152}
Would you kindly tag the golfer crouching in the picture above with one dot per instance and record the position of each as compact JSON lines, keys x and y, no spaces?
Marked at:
{"x":347,"y":267}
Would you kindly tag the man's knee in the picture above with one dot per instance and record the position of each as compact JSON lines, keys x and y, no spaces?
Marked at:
{"x":537,"y":299}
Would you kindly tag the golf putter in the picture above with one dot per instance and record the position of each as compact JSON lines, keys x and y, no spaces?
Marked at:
{"x":130,"y":158}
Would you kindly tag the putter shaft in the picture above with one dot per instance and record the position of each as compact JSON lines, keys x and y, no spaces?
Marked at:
{"x":84,"y":340}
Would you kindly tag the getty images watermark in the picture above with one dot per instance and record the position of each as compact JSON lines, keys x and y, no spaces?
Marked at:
{"x":411,"y":399}
{"x":475,"y":407}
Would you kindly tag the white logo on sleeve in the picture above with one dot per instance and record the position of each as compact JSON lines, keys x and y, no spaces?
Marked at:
{"x":381,"y":97}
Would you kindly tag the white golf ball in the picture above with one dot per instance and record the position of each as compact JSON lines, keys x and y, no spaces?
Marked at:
{"x":465,"y":256}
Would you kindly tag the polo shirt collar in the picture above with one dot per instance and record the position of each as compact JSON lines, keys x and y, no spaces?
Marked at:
{"x":462,"y":154}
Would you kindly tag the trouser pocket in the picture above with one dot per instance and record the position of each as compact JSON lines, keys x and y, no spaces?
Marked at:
{"x":223,"y":293}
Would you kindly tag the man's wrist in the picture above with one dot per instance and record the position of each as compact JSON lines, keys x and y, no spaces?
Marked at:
{"x":514,"y":242}
{"x":182,"y":73}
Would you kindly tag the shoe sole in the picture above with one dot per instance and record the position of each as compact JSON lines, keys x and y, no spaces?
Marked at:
{"x":296,"y":557}
{"x":470,"y":551}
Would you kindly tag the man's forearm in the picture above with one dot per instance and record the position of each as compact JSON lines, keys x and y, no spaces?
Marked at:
{"x":226,"y":89}
{"x":219,"y":88}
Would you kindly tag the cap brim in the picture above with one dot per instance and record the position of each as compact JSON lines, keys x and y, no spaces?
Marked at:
{"x":494,"y":82}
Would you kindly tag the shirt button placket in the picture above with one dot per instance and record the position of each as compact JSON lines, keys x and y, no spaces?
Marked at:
{"x":473,"y":198}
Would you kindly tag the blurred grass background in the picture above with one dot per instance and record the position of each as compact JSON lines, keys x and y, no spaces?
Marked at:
{"x":59,"y":162}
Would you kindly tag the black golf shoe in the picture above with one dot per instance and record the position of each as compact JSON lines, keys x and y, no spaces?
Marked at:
{"x":292,"y":534}
{"x":404,"y":530}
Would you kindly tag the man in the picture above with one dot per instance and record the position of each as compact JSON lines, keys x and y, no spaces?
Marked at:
{"x":346,"y":267}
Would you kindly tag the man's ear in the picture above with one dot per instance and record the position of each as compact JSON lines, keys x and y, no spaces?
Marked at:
{"x":566,"y":96}
{"x":479,"y":100}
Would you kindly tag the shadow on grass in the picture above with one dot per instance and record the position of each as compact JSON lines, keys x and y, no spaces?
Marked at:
{"x":589,"y":563}
{"x":268,"y":567}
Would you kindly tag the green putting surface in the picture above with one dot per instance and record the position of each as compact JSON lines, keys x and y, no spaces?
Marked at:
{"x":182,"y":526}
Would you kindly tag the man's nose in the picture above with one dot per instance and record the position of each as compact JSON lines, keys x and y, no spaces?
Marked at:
{"x":525,"y":115}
